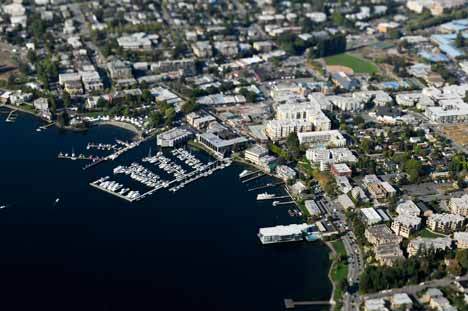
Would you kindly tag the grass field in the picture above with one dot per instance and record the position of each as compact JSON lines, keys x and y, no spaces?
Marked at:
{"x":428,"y":234}
{"x":357,"y":64}
{"x":339,"y":272}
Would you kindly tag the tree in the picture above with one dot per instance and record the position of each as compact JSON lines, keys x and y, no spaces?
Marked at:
{"x":293,"y":145}
{"x":462,"y":258}
{"x":412,"y":167}
{"x":460,"y":40}
{"x":66,"y":100}
{"x":190,"y":106}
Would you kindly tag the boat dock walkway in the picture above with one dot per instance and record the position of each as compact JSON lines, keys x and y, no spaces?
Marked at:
{"x":291,"y":304}
{"x":269,"y":185}
{"x":250,"y":174}
{"x":95,"y":185}
{"x":45,"y":126}
{"x":253,"y":178}
{"x":283,"y":203}
{"x":276,"y":197}
{"x":11,"y":116}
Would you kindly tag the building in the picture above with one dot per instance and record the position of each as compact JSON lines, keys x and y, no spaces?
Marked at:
{"x":381,"y":234}
{"x":202,"y":49}
{"x":227,"y":48}
{"x":279,"y":234}
{"x":387,"y":27}
{"x":401,"y":301}
{"x":381,"y":190}
{"x":445,"y":223}
{"x":173,"y":137}
{"x":345,"y":82}
{"x":312,"y":207}
{"x":331,"y":138}
{"x":297,"y":117}
{"x":404,"y":225}
{"x":377,"y":304}
{"x":459,"y":206}
{"x":330,"y":156}
{"x":255,"y":153}
{"x":345,"y":202}
{"x":119,"y":70}
{"x":388,"y":254}
{"x":341,"y":169}
{"x":370,"y":216}
{"x":408,"y":207}
{"x":222,"y":141}
{"x":461,"y":238}
{"x":285,"y":172}
{"x":426,"y":243}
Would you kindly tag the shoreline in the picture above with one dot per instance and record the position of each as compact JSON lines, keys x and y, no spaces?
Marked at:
{"x":123,"y":125}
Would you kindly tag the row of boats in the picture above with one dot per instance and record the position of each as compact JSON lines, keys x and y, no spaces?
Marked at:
{"x":116,"y":188}
{"x":141,"y":174}
{"x":100,"y":146}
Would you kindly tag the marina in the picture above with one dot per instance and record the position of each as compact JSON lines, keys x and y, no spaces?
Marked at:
{"x":174,"y":171}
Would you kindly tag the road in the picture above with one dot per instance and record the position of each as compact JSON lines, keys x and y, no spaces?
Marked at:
{"x":351,"y":300}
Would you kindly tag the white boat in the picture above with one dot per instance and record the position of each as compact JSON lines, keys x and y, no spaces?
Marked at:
{"x":265,"y":196}
{"x":3,"y":206}
{"x":244,"y":173}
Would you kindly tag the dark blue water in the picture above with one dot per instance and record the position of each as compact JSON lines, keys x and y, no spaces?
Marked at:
{"x":196,"y":249}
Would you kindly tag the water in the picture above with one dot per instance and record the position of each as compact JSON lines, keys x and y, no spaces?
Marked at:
{"x":196,"y":249}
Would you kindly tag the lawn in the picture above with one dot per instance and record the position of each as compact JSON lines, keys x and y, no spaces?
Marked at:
{"x":359,"y":65}
{"x":429,"y":234}
{"x":339,"y":271}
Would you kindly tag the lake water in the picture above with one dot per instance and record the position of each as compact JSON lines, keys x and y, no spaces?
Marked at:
{"x":195,"y":249}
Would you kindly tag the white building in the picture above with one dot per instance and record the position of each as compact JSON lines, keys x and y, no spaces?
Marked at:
{"x":322,"y":138}
{"x":173,"y":137}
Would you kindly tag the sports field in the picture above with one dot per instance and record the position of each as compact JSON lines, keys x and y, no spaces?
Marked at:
{"x":357,"y":64}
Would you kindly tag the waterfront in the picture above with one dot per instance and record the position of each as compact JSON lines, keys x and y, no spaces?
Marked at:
{"x":196,"y":248}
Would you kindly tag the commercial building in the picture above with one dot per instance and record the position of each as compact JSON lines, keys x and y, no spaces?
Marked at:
{"x":404,"y":225}
{"x":426,"y":243}
{"x":280,"y":234}
{"x":255,"y":153}
{"x":445,"y":223}
{"x":222,"y":142}
{"x":173,"y":137}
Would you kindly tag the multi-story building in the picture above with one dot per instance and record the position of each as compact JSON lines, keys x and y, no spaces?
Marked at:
{"x":255,"y":153}
{"x":173,"y":137}
{"x":459,"y":206}
{"x":381,"y":234}
{"x":461,"y":238}
{"x":445,"y":223}
{"x":332,"y":155}
{"x":322,"y":138}
{"x":428,"y":243}
{"x":202,"y":49}
{"x":408,"y":207}
{"x":404,"y":225}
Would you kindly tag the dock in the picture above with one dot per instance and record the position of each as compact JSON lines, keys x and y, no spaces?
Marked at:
{"x":276,"y":197}
{"x":291,"y":304}
{"x":11,"y":116}
{"x":283,"y":203}
{"x":253,"y":178}
{"x":269,"y":185}
{"x":249,"y":174}
{"x":95,"y":185}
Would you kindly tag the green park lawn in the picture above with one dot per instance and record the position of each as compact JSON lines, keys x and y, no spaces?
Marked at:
{"x":359,"y":65}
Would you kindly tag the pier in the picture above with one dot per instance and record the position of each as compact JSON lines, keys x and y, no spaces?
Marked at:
{"x":276,"y":203}
{"x":276,"y":197}
{"x":11,"y":116}
{"x":249,"y":174}
{"x":253,"y":178}
{"x":95,"y":185}
{"x":291,"y":304}
{"x":269,"y":185}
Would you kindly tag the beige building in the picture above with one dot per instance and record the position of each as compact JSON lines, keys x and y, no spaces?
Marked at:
{"x":404,"y":225}
{"x":445,"y":223}
{"x":461,"y":238}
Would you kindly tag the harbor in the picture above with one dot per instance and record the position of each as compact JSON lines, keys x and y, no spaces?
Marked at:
{"x":172,"y":170}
